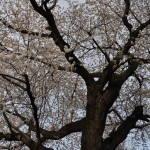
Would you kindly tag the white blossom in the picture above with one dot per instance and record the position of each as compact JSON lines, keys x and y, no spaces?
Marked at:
{"x":132,"y":43}
{"x":70,"y":58}
{"x":60,"y":86}
{"x":66,"y":49}
{"x":141,"y":33}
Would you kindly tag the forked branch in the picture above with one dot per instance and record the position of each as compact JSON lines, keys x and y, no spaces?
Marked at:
{"x":118,"y":136}
{"x":59,"y":41}
{"x":72,"y":127}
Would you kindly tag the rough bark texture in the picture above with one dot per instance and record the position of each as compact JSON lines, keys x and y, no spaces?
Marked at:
{"x":95,"y":121}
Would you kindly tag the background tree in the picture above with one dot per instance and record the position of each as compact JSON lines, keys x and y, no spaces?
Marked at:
{"x":82,"y":72}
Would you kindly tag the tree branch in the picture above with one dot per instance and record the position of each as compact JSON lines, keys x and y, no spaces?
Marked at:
{"x":17,"y":135}
{"x":109,"y":69}
{"x":11,"y":81}
{"x":26,"y":31}
{"x":35,"y":110}
{"x":72,"y":127}
{"x":125,"y":15}
{"x":115,"y":83}
{"x":118,"y":136}
{"x":116,"y":112}
{"x":59,"y":41}
{"x":104,"y":53}
{"x":62,"y":132}
{"x":9,"y":76}
{"x":59,"y":67}
{"x":134,"y":34}
{"x":23,"y":138}
{"x":135,"y":17}
{"x":127,"y":73}
{"x":8,"y":123}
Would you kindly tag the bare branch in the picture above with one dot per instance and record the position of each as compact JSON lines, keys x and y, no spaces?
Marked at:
{"x":135,"y":17}
{"x":8,"y":122}
{"x":72,"y":127}
{"x":125,"y":15}
{"x":118,"y":136}
{"x":17,"y":135}
{"x":104,"y":53}
{"x":116,"y":112}
{"x":143,"y":25}
{"x":37,"y":7}
{"x":132,"y":67}
{"x":59,"y":67}
{"x":134,"y":34}
{"x":13,"y":82}
{"x":26,"y":31}
{"x":35,"y":110}
{"x":9,"y":76}
{"x":23,"y":138}
{"x":59,"y":41}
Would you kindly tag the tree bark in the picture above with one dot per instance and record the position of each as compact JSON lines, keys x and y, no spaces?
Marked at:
{"x":95,"y":121}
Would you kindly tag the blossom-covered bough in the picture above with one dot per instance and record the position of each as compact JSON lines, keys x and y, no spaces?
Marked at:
{"x":92,"y":59}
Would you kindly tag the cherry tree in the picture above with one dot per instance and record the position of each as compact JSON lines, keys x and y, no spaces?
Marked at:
{"x":74,"y":78}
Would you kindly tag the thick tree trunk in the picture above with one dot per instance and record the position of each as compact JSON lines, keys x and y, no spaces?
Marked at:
{"x":95,"y":121}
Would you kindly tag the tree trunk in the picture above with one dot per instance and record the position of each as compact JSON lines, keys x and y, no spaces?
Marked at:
{"x":95,"y":121}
